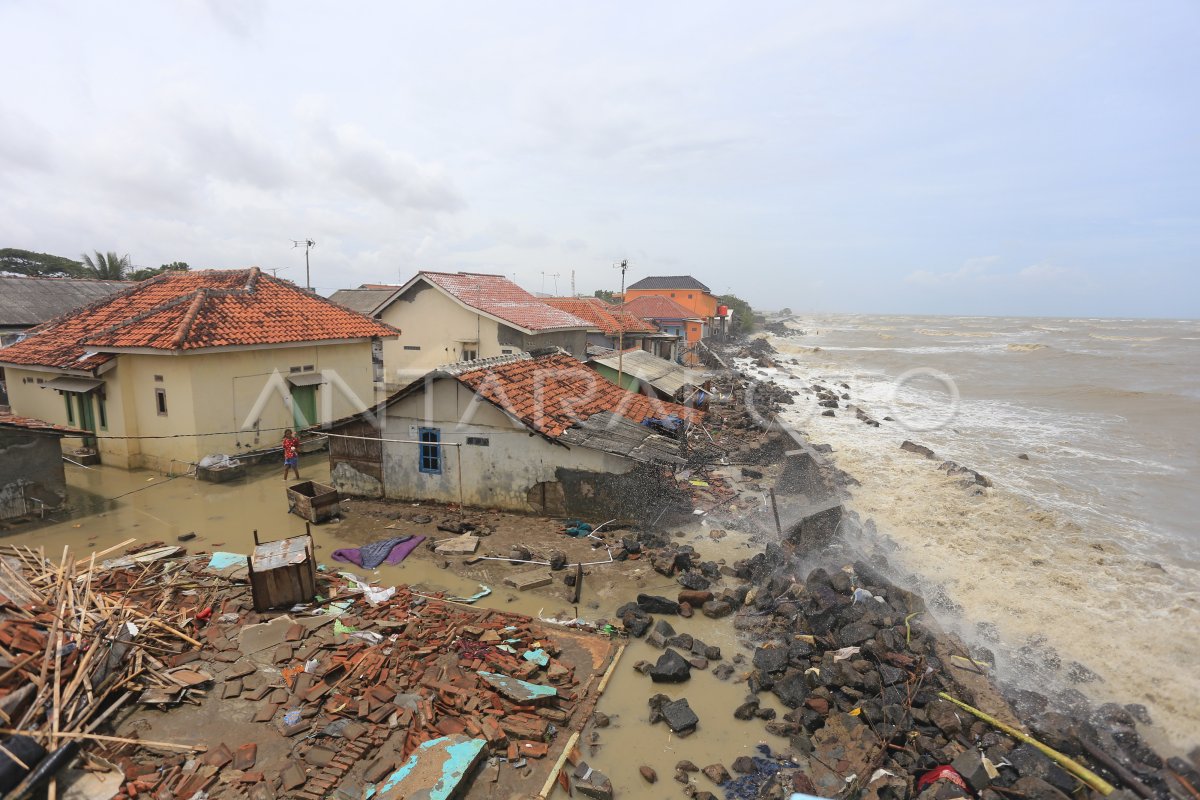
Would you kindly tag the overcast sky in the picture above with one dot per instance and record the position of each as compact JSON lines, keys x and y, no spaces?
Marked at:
{"x":1033,"y":158}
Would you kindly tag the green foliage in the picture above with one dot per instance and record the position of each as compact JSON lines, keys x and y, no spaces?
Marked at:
{"x":150,"y":272}
{"x":27,"y":262}
{"x":604,"y":294}
{"x":107,"y":266}
{"x":743,"y":314}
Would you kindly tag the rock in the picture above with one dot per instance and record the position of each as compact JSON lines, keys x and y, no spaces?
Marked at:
{"x":693,"y":580}
{"x":944,"y":716}
{"x":643,"y":666}
{"x":744,"y":765}
{"x":686,"y":766}
{"x":686,"y":611}
{"x":593,"y":783}
{"x":716,"y":773}
{"x":829,"y":412}
{"x":723,"y":672}
{"x":856,"y":633}
{"x":656,"y":604}
{"x":635,"y":621}
{"x":791,"y":689}
{"x":683,"y":641}
{"x":746,"y":710}
{"x":1024,"y":456}
{"x":919,"y":449}
{"x":648,"y":774}
{"x":695,"y":598}
{"x":1037,"y":789}
{"x":715,"y":609}
{"x":679,"y":715}
{"x":844,"y":746}
{"x":970,"y":766}
{"x":670,"y":668}
{"x":659,"y":635}
{"x":752,"y":474}
{"x":771,"y":659}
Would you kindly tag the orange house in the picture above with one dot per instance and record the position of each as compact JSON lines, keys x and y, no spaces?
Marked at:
{"x":683,"y":289}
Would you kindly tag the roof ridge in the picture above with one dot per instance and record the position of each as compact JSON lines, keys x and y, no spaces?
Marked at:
{"x":185,"y":324}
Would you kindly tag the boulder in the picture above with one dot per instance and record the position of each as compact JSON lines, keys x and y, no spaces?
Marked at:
{"x":656,"y":604}
{"x":670,"y":668}
{"x":715,"y":609}
{"x":919,"y":449}
{"x":716,"y":773}
{"x":659,"y":635}
{"x":771,"y":659}
{"x":694,"y":598}
{"x":679,"y":715}
{"x":744,"y":765}
{"x":791,"y":689}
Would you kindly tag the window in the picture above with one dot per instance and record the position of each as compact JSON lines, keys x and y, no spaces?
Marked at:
{"x":70,"y":408}
{"x":160,"y":401}
{"x":309,"y":368}
{"x":103,"y":412}
{"x":293,"y":370}
{"x":430,"y":450}
{"x":507,"y":351}
{"x":412,"y":347}
{"x":478,"y":441}
{"x":470,"y":352}
{"x":158,"y":379}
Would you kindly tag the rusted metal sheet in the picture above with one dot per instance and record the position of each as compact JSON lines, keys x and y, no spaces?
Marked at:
{"x":435,"y":771}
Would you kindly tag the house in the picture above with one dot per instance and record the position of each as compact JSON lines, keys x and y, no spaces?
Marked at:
{"x":462,"y":316}
{"x":27,"y":301}
{"x":32,"y":479}
{"x":674,"y":319}
{"x":523,"y":432}
{"x":640,"y":371}
{"x":186,"y":364}
{"x":612,"y":327}
{"x":683,"y":289}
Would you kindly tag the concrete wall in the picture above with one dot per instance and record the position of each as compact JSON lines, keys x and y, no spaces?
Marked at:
{"x":507,"y":473}
{"x":241,"y":395}
{"x":434,"y":329}
{"x":700,"y":303}
{"x":31,"y":466}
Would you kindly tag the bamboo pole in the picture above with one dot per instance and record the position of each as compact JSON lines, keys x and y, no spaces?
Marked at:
{"x":1074,"y":767}
{"x":608,"y":673}
{"x":195,"y":748}
{"x":549,"y":786}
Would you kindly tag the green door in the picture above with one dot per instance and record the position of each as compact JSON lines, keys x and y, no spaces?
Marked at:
{"x":87,"y":417}
{"x":304,"y":406}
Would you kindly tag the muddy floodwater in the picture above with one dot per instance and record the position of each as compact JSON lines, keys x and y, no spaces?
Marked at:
{"x":110,"y":506}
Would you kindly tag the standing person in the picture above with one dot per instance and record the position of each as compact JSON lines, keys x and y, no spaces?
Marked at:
{"x":291,"y":457}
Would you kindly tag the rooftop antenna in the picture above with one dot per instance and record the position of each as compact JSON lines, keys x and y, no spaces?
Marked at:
{"x":624,"y":265}
{"x":276,"y":270}
{"x":307,"y":244}
{"x":573,"y":284}
{"x":553,"y":275}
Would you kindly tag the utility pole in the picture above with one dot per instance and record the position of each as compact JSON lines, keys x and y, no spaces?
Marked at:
{"x":573,"y":284}
{"x":624,"y":265}
{"x":307,"y":244}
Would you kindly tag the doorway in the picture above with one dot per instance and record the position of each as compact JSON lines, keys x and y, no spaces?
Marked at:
{"x":304,"y":406}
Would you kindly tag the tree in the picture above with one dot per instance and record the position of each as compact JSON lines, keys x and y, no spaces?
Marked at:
{"x":27,"y":262}
{"x":743,"y":314}
{"x":107,"y":266}
{"x":150,"y":272}
{"x":604,"y":294}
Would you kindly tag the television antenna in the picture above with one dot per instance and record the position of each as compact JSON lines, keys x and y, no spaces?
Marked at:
{"x":307,"y":244}
{"x":553,"y":275}
{"x":623,"y":266}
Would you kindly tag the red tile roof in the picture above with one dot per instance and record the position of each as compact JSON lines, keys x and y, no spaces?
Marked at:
{"x":552,"y":393}
{"x":37,"y":425}
{"x":184,"y":311}
{"x":608,"y":319}
{"x":500,"y":297}
{"x":658,"y":307}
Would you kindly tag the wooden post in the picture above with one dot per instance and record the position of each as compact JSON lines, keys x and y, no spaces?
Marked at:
{"x":775,"y":512}
{"x":578,"y":581}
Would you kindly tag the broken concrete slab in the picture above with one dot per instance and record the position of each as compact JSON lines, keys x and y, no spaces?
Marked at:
{"x":265,"y":635}
{"x":463,"y":545}
{"x":435,"y":770}
{"x":532,"y":579}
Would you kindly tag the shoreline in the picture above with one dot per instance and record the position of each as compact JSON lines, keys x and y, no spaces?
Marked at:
{"x":909,"y":499}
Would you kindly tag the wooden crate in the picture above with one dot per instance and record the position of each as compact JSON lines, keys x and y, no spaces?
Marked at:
{"x":283,"y":572}
{"x":313,"y":501}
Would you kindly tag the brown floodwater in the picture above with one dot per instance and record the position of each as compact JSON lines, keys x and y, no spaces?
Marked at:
{"x":110,"y":505}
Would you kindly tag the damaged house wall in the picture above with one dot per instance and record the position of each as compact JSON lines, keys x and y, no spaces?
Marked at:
{"x":574,"y":342}
{"x":503,"y":464}
{"x":31,"y":466}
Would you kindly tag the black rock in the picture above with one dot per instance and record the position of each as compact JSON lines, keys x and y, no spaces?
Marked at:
{"x":656,"y":604}
{"x":693,"y":580}
{"x":631,"y":545}
{"x":856,"y":633}
{"x":716,"y":609}
{"x":671,"y":668}
{"x":723,"y":672}
{"x":679,"y":715}
{"x":746,"y":710}
{"x":745,"y":765}
{"x":791,"y":689}
{"x":771,"y":659}
{"x":683,"y":641}
{"x":658,"y":637}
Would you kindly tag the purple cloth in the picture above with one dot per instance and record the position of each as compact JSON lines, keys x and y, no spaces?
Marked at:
{"x":388,"y":551}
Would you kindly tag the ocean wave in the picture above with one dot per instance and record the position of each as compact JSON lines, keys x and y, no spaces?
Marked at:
{"x":1104,"y":338}
{"x":1024,"y":348}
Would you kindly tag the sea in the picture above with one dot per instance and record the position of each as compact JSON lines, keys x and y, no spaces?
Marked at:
{"x":1079,"y":568}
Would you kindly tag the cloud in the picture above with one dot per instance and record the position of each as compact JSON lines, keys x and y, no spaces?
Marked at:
{"x":973,"y":270}
{"x":394,"y":178}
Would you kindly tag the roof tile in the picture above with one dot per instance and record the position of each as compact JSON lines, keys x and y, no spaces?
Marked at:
{"x":500,"y":297}
{"x":37,"y":425}
{"x":609,"y":319}
{"x":658,"y":307}
{"x":183,"y":311}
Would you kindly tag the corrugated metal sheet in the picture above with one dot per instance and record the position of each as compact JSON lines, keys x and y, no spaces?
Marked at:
{"x":25,"y":301}
{"x":665,"y":376}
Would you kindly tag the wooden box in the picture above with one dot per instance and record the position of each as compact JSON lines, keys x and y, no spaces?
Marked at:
{"x":283,"y":572}
{"x":313,"y":501}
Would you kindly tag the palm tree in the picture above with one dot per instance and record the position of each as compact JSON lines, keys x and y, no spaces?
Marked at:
{"x":107,"y":266}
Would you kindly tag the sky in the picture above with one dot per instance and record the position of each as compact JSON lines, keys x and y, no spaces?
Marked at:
{"x":1019,"y":158}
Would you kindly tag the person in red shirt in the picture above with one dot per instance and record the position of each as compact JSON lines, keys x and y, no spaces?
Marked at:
{"x":291,"y":451}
